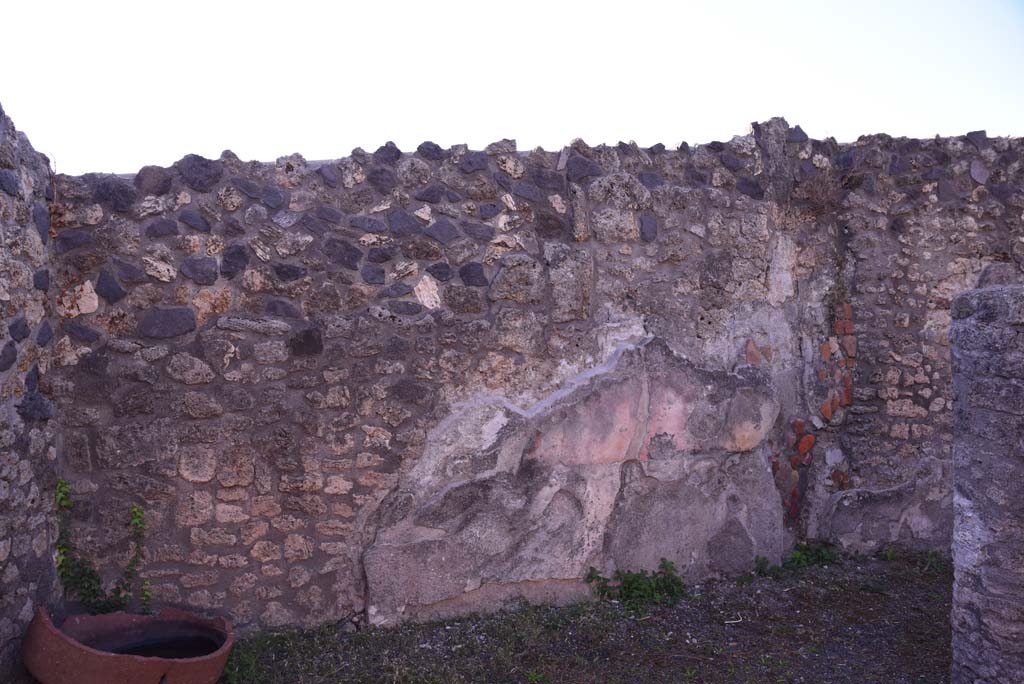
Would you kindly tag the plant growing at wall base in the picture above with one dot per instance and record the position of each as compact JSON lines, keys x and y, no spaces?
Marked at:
{"x":639,"y":590}
{"x":80,"y":577}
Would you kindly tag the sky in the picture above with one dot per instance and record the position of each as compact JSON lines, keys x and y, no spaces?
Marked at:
{"x":112,"y":86}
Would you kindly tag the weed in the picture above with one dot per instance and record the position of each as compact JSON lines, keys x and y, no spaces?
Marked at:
{"x":80,"y":577}
{"x":640,"y":590}
{"x":806,"y":555}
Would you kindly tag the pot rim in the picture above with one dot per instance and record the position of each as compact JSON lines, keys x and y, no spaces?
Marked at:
{"x":218,"y":623}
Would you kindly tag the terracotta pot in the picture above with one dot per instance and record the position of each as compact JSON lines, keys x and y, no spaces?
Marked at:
{"x":174,"y":647}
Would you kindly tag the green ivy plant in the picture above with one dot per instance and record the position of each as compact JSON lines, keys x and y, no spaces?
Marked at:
{"x":639,"y":591}
{"x":80,"y":577}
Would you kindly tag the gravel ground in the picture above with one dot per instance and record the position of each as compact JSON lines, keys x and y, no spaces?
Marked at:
{"x":859,"y":620}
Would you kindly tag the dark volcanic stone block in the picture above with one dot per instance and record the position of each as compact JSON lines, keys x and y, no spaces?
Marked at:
{"x":431,"y":194}
{"x":650,"y":179}
{"x":405,"y":307}
{"x":201,"y":270}
{"x":442,"y":230}
{"x":68,"y":240}
{"x":282,"y":308}
{"x":431,"y":151}
{"x":8,"y":355}
{"x":44,"y":334}
{"x":18,"y":329}
{"x":374,"y":275}
{"x":380,"y":255}
{"x":108,"y":287}
{"x":168,"y":321}
{"x":490,"y":209}
{"x":35,"y":407}
{"x":473,"y":162}
{"x":403,"y":223}
{"x":114,"y":193}
{"x":194,"y":220}
{"x":648,"y":227}
{"x":473,"y":274}
{"x":41,"y":279}
{"x":750,"y":187}
{"x":234,"y":260}
{"x":580,"y":168}
{"x":343,"y":253}
{"x":308,"y":342}
{"x":388,"y":153}
{"x":368,"y":223}
{"x":288,"y":272}
{"x":441,"y":271}
{"x":329,"y":175}
{"x":199,"y":173}
{"x":9,"y":182}
{"x":153,"y":180}
{"x":161,"y":228}
{"x":382,"y":179}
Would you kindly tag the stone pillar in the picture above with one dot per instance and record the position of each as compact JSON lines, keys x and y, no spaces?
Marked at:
{"x":988,"y":532}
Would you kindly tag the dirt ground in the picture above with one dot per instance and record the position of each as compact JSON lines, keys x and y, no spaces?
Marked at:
{"x":860,"y":620}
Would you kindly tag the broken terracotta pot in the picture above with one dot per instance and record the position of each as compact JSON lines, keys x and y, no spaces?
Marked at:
{"x":173,"y":647}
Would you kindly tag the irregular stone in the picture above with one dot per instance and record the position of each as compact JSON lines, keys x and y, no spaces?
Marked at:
{"x":580,"y":168}
{"x":18,"y":329}
{"x":78,"y":300}
{"x":234,"y":260}
{"x":431,"y":151}
{"x":403,"y":224}
{"x":289,"y":272}
{"x":189,"y":370}
{"x":307,"y":342}
{"x":41,"y":279}
{"x":614,"y":225}
{"x":200,"y":270}
{"x":473,"y":162}
{"x":114,"y":193}
{"x":161,"y":228}
{"x":153,"y":180}
{"x":164,"y":322}
{"x":68,"y":240}
{"x":282,"y":308}
{"x":9,"y":182}
{"x":388,"y":153}
{"x":261,"y":326}
{"x":442,"y":271}
{"x":159,"y":269}
{"x":194,"y":220}
{"x":473,"y":274}
{"x":520,"y":279}
{"x":343,"y":253}
{"x":199,"y":173}
{"x":443,"y":231}
{"x":8,"y":355}
{"x":374,"y":275}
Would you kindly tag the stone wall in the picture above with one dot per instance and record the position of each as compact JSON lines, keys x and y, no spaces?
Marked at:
{"x":988,"y":539}
{"x":404,"y":384}
{"x":27,"y":450}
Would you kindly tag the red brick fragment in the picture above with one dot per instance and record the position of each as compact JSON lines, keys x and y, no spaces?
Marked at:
{"x":797,"y":425}
{"x":826,"y":351}
{"x":844,"y":327}
{"x":794,"y":461}
{"x":805,"y":444}
{"x":847,"y":398}
{"x":847,"y":379}
{"x":753,"y":353}
{"x":826,"y":408}
{"x":849,"y":343}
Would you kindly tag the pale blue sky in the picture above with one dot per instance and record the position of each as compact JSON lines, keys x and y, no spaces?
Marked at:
{"x":112,"y":86}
